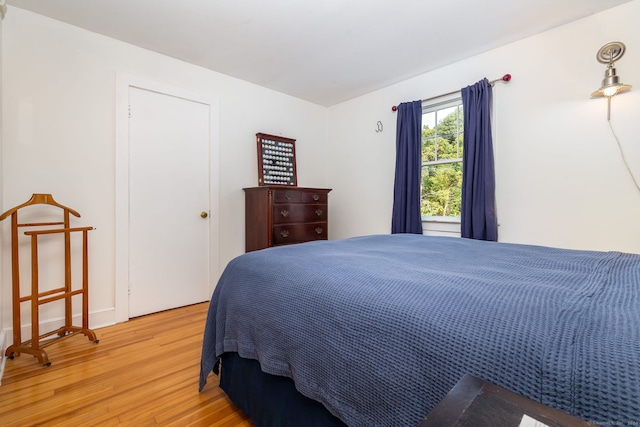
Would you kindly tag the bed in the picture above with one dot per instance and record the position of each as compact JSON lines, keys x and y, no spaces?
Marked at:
{"x":375,"y":330}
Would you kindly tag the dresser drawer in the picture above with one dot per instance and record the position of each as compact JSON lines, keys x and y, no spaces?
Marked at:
{"x":296,"y":233}
{"x":287,"y":196}
{"x":313,"y":197}
{"x":299,"y":213}
{"x":299,"y":196}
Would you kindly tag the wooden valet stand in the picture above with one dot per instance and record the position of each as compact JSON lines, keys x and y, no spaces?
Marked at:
{"x":36,"y":298}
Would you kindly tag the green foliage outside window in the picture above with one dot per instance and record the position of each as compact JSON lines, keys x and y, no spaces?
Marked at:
{"x":441,"y":193}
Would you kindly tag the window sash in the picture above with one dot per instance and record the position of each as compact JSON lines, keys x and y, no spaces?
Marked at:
{"x":442,"y":162}
{"x":436,"y":107}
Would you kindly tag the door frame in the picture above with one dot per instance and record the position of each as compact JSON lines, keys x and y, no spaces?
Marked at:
{"x":123,"y":83}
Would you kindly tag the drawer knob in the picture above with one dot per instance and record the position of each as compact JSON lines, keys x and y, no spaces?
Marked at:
{"x":284,"y":233}
{"x":288,"y":196}
{"x":284,"y":213}
{"x":318,"y":212}
{"x":316,"y":197}
{"x":318,"y":230}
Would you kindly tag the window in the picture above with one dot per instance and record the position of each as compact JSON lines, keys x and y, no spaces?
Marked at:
{"x":442,"y":134}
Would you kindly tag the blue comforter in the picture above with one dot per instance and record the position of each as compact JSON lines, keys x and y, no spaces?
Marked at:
{"x":380,"y":328}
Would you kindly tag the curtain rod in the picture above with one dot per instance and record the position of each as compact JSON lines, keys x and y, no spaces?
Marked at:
{"x":506,"y":78}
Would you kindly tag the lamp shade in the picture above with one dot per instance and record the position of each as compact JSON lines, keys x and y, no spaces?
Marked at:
{"x":611,"y":85}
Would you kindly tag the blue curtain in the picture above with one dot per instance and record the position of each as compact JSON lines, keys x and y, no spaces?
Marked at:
{"x":406,"y":189}
{"x":478,"y":216}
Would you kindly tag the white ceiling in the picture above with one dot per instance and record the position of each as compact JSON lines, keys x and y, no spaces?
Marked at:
{"x":324,"y":51}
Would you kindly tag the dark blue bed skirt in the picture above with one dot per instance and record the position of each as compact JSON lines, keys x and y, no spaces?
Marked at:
{"x":270,"y":400}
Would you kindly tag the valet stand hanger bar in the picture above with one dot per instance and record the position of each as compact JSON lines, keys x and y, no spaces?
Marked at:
{"x":37,"y":298}
{"x":506,"y":78}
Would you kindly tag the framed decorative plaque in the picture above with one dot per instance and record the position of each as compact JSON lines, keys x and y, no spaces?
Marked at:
{"x":276,"y":160}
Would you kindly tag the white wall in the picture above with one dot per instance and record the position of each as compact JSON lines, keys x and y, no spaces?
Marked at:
{"x":561,"y":181}
{"x":2,"y":317}
{"x":59,"y":133}
{"x":560,"y":178}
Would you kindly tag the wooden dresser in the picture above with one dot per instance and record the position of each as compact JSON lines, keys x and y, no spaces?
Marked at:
{"x":278,"y":215}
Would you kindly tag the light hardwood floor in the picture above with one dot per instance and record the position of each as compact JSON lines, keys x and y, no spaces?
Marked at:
{"x":144,"y":372}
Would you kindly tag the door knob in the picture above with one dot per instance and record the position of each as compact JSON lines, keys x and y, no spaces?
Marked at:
{"x":204,"y":214}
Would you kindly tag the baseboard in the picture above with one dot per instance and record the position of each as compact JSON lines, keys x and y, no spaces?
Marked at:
{"x":3,"y":347}
{"x":97,"y":319}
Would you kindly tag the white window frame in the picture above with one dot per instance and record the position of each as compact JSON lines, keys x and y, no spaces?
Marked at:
{"x":441,"y":224}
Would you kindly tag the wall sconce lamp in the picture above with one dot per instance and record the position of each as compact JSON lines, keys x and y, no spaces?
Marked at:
{"x":611,"y":85}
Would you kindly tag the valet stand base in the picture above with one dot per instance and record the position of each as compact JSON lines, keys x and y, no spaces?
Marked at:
{"x":37,"y":351}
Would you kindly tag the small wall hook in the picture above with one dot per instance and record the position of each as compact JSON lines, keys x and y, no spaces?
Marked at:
{"x":379,"y":129}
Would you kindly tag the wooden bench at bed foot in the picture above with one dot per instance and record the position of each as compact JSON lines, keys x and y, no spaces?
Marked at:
{"x":478,"y":403}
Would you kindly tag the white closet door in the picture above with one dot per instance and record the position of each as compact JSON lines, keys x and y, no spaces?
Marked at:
{"x":169,"y":178}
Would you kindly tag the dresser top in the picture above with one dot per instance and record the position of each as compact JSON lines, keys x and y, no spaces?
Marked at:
{"x":286,"y":188}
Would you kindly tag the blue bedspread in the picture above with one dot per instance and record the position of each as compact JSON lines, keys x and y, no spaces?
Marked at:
{"x":380,"y":328}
